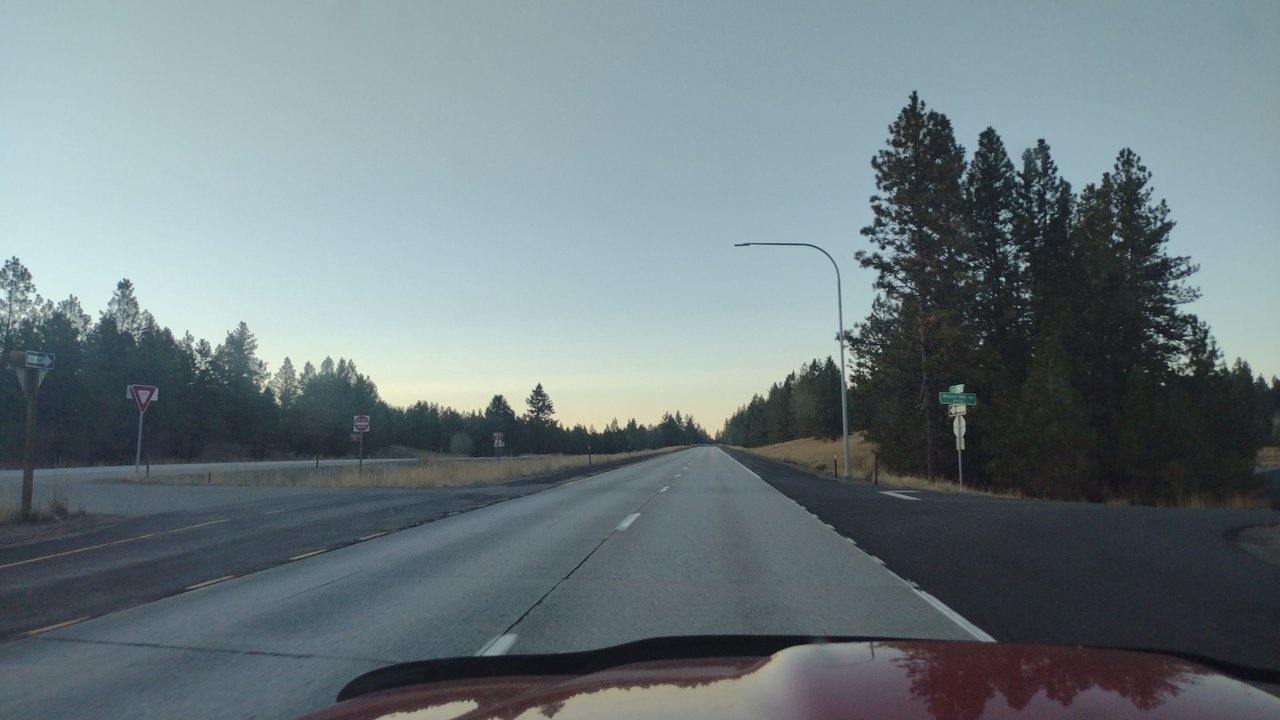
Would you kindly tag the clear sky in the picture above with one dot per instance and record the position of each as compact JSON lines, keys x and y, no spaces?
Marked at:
{"x":468,"y":198}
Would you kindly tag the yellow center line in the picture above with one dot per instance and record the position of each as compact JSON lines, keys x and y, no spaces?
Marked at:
{"x":109,"y":544}
{"x":207,"y":583}
{"x":371,"y":536}
{"x":56,"y":626}
{"x":309,"y":554}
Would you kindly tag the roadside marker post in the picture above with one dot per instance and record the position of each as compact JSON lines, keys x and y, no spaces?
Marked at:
{"x":143,"y":395}
{"x":30,"y":366}
{"x":958,"y":402}
{"x":499,"y":442}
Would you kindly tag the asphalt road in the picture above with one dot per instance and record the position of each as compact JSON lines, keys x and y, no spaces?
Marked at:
{"x":1065,"y":573}
{"x":686,"y":543}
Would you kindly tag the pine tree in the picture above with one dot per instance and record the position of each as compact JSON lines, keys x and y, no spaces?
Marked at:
{"x":998,"y":314}
{"x":920,"y":254}
{"x":17,"y":298}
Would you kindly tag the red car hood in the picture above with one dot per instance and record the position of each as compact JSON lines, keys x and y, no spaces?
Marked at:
{"x":871,"y":680}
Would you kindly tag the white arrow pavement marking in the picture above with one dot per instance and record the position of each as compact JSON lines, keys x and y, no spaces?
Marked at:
{"x":627,"y":523}
{"x":498,"y":646}
{"x":900,"y":494}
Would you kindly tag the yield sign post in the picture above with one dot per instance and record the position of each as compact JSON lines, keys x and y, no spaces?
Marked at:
{"x":144,"y":395}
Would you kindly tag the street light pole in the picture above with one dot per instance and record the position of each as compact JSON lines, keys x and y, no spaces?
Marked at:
{"x":844,"y":389}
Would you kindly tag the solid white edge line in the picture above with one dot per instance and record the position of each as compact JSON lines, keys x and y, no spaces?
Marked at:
{"x":955,"y":617}
{"x":898,"y":494}
{"x":952,"y":615}
{"x":744,"y":467}
{"x":498,"y":646}
{"x":627,"y":522}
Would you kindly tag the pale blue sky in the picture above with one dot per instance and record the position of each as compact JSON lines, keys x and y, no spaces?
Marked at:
{"x":468,"y":198}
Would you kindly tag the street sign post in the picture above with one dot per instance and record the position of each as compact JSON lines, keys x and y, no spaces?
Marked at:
{"x":958,"y":401}
{"x":360,"y":425}
{"x":143,"y":395}
{"x":958,"y":429}
{"x":30,"y":366}
{"x":498,"y":443}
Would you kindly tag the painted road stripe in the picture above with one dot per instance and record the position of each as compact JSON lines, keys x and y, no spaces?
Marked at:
{"x":308,"y":554}
{"x":207,"y":583}
{"x":498,"y":646}
{"x":109,"y":544}
{"x":48,"y":628}
{"x":679,"y":474}
{"x":627,"y":523}
{"x":665,"y":488}
{"x":272,"y":512}
{"x":371,"y":536}
{"x":956,"y":617}
{"x":900,"y":494}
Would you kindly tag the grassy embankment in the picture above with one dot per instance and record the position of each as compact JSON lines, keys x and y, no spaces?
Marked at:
{"x":56,"y":507}
{"x":430,"y":472}
{"x":816,"y":455}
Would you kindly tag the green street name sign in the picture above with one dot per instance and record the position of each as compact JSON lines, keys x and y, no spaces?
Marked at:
{"x":955,"y":398}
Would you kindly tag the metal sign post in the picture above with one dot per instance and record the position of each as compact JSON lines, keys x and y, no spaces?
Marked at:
{"x":360,"y":424}
{"x":30,"y":366}
{"x":144,"y":395}
{"x":958,"y":402}
{"x":498,"y":444}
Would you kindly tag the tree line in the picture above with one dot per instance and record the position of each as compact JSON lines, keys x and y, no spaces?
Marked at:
{"x":1061,"y":309}
{"x":221,"y":402}
{"x":805,"y":404}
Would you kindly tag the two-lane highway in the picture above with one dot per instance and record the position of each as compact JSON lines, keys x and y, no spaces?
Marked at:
{"x":690,"y":542}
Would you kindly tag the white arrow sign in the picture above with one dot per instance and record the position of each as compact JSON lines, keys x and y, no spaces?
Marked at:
{"x":958,"y":426}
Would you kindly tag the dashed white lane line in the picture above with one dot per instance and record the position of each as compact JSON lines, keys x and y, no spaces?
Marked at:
{"x":665,"y":488}
{"x":900,"y":494}
{"x":47,"y":628}
{"x":498,"y":646}
{"x":207,"y":583}
{"x":306,"y":555}
{"x":627,"y":522}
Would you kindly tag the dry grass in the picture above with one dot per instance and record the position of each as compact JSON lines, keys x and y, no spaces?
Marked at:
{"x":1268,"y":458}
{"x":57,"y":507}
{"x":817,"y":455}
{"x":429,"y":473}
{"x":1231,"y":502}
{"x":813,"y":454}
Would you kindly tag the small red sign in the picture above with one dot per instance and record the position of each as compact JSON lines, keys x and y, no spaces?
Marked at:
{"x":143,"y":395}
{"x":355,"y":437}
{"x":360,"y":423}
{"x":497,"y":437}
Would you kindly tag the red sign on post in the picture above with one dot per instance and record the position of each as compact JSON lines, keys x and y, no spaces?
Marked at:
{"x":360,"y":423}
{"x":143,"y":395}
{"x":497,"y":437}
{"x":355,"y":437}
